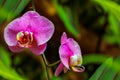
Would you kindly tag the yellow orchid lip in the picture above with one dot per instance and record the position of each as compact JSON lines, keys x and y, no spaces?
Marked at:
{"x":24,"y":38}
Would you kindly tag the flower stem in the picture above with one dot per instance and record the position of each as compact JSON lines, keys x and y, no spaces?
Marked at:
{"x":47,"y":71}
{"x":50,"y":65}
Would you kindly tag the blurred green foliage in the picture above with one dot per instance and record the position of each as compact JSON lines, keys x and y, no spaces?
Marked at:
{"x":5,"y":67}
{"x":94,"y":58}
{"x":113,"y":10}
{"x":109,"y":70}
{"x":10,"y":9}
{"x":69,"y":15}
{"x":5,"y":57}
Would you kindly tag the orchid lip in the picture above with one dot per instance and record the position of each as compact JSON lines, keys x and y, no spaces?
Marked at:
{"x":75,"y":63}
{"x":78,"y":68}
{"x":24,"y":38}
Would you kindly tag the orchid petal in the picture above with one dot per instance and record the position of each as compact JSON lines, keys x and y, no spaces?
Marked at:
{"x":63,"y":38}
{"x":15,"y":48}
{"x":59,"y":69}
{"x":64,"y":53}
{"x":41,"y":27}
{"x":38,"y":49}
{"x":11,"y":31}
{"x":74,"y":47}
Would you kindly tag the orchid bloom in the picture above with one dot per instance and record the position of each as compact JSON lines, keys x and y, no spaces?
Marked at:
{"x":30,"y":31}
{"x":70,"y":55}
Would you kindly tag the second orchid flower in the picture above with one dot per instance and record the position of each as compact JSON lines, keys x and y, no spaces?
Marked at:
{"x":70,"y":55}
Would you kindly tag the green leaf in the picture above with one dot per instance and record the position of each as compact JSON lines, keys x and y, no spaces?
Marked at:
{"x":55,"y":78}
{"x":94,"y":58}
{"x":20,"y":7}
{"x":103,"y":68}
{"x":8,"y":73}
{"x":69,"y":17}
{"x":1,"y":1}
{"x":113,"y":31}
{"x":114,"y":25}
{"x":11,"y":9}
{"x":110,"y":6}
{"x":113,"y":9}
{"x":5,"y":56}
{"x":110,"y":70}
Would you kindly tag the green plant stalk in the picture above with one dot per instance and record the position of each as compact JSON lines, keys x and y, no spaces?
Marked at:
{"x":48,"y":65}
{"x":45,"y":62}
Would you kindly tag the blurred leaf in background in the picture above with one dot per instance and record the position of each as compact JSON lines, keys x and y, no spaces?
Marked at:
{"x":10,"y":9}
{"x":5,"y":66}
{"x":113,"y":30}
{"x":68,"y":12}
{"x":109,"y":70}
{"x":94,"y":58}
{"x":5,"y":57}
{"x":110,"y":6}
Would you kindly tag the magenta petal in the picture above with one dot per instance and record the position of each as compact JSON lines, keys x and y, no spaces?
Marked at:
{"x":59,"y":69}
{"x":41,"y":27}
{"x":15,"y":48}
{"x":11,"y":31}
{"x":63,"y":38}
{"x":74,"y":47}
{"x":38,"y":49}
{"x":45,"y":30}
{"x":65,"y":53}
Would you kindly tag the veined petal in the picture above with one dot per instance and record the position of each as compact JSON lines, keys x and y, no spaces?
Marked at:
{"x":15,"y":48}
{"x":64,"y":53}
{"x":74,"y":47}
{"x":38,"y":49}
{"x":41,"y":27}
{"x":59,"y":69}
{"x":11,"y":31}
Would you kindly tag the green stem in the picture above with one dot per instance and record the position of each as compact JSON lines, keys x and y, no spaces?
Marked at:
{"x":50,"y":65}
{"x":47,"y":70}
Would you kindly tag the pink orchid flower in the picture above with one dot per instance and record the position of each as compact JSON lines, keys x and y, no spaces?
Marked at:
{"x":29,"y":31}
{"x":70,"y":55}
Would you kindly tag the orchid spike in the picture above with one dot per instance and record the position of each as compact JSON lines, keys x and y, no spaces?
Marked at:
{"x":70,"y":55}
{"x":29,"y":31}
